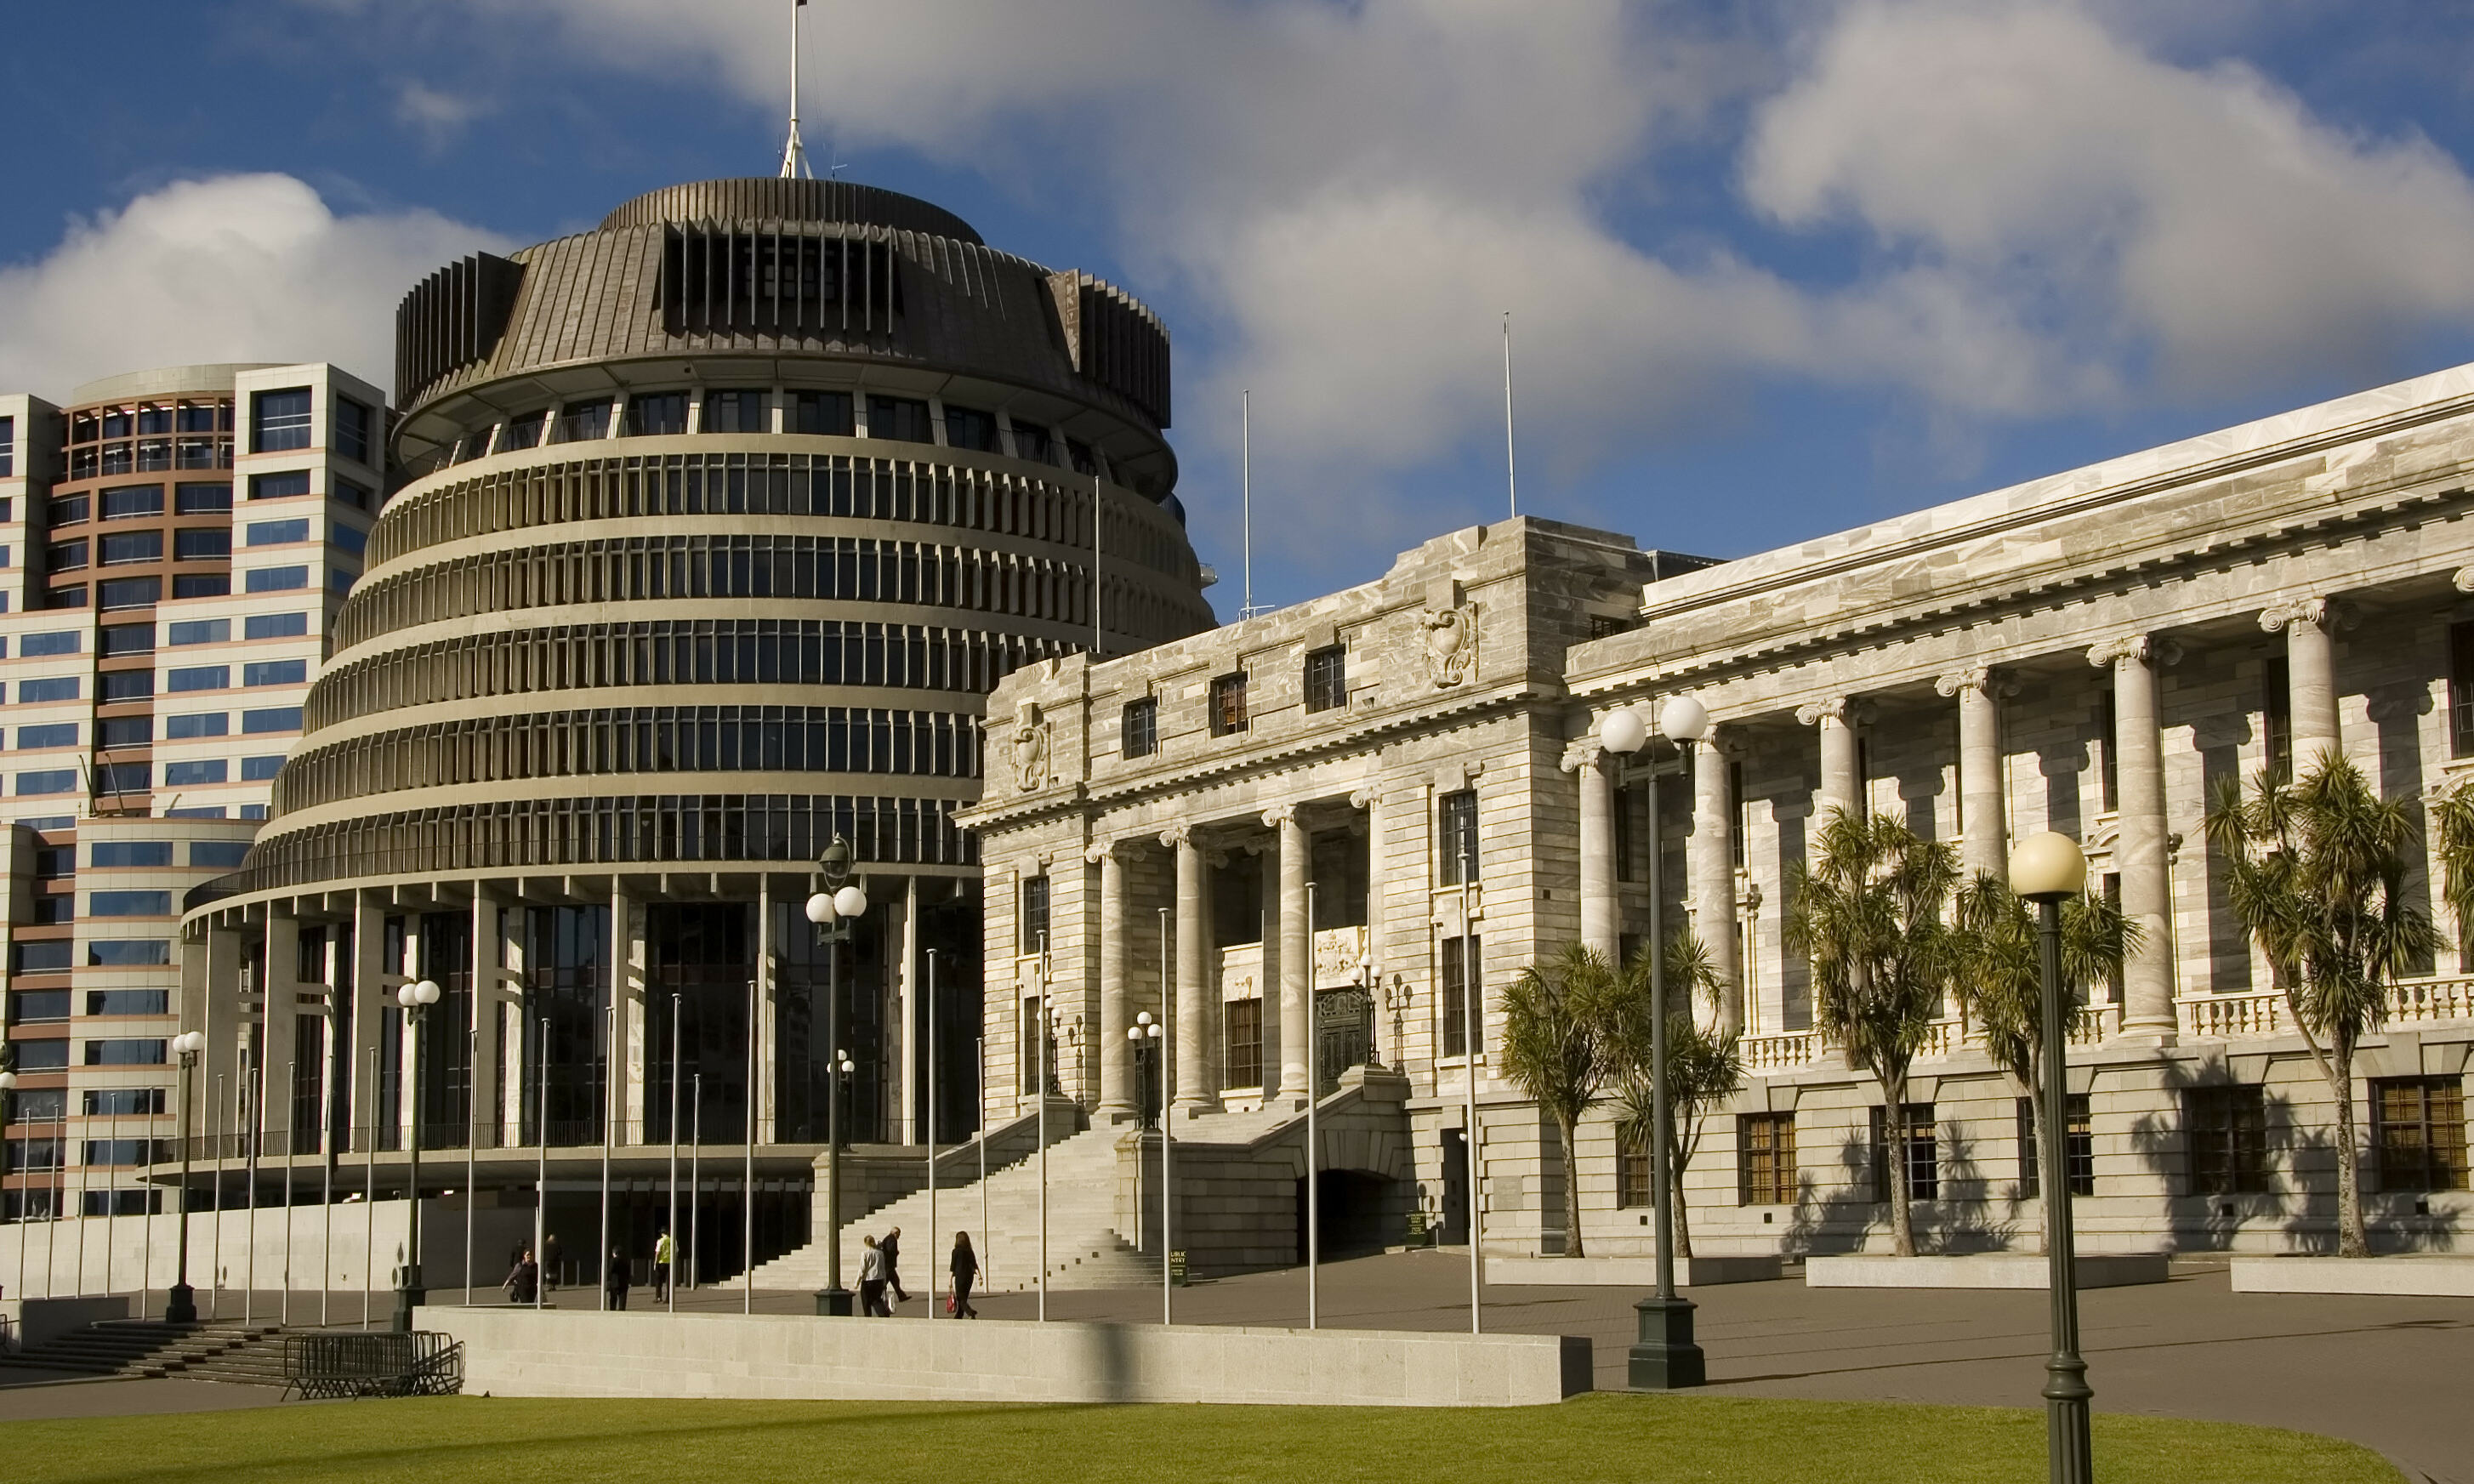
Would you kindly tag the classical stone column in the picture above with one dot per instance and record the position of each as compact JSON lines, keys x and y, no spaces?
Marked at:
{"x":1296,"y":953}
{"x":1194,"y":1007}
{"x":2310,"y":626}
{"x":1841,"y":780}
{"x":1985,"y":817}
{"x":1712,"y":872}
{"x":2139,"y":842}
{"x":1116,"y":1055}
{"x":1601,"y":918}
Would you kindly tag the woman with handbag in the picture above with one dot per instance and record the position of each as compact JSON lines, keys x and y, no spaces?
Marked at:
{"x":966,"y":1271}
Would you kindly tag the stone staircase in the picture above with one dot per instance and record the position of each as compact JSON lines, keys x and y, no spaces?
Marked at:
{"x":1085,"y":1247}
{"x":249,"y":1354}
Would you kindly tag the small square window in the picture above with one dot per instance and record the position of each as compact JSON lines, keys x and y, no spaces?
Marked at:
{"x":1229,"y":705}
{"x":1327,"y":679}
{"x":1141,"y":734}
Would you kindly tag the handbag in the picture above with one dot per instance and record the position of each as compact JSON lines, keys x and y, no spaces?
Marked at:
{"x":949,"y":1303}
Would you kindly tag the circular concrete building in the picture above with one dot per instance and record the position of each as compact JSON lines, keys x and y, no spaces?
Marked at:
{"x":719,"y":524}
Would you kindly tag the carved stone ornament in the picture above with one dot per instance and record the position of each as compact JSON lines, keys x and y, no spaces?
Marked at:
{"x":1451,"y":643}
{"x":2321,"y":613}
{"x":1029,"y":744}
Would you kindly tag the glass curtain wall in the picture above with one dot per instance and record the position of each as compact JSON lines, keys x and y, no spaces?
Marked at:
{"x":567,"y":976}
{"x":860,"y":978}
{"x":705,"y":954}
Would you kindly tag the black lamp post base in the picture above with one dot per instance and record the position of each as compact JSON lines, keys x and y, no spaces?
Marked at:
{"x":411,"y":1295}
{"x":834,"y":1303}
{"x":1664,"y":1357}
{"x":180,"y":1305}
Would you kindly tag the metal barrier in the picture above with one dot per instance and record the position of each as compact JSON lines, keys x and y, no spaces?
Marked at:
{"x":322,"y":1366}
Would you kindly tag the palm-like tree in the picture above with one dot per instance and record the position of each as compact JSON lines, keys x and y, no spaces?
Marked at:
{"x":2316,"y":870}
{"x":1867,"y":913}
{"x":2001,"y":979}
{"x":1704,"y":1068}
{"x":1562,"y":1025}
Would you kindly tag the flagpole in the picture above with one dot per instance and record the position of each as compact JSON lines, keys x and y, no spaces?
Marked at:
{"x":1510,"y":467}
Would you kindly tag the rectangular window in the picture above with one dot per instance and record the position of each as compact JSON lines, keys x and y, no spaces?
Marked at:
{"x":36,"y":1007}
{"x":1034,"y":915}
{"x":968,"y":427}
{"x":125,"y":684}
{"x":135,"y":953}
{"x":133,"y":1051}
{"x":344,"y":492}
{"x":1461,"y":967}
{"x":739,"y":411}
{"x":348,"y":538}
{"x":275,"y":673}
{"x":67,"y":510}
{"x":261,"y":769}
{"x":55,"y":734}
{"x":202,"y":499}
{"x":65,"y":598}
{"x":50,"y":780}
{"x":201,"y":585}
{"x":7,"y":448}
{"x":2276,"y":717}
{"x":900,"y":419}
{"x":2226,"y":1130}
{"x":1456,"y":835}
{"x":1229,"y":705}
{"x":132,"y":501}
{"x":339,"y":581}
{"x":522,"y":432}
{"x":123,"y":778}
{"x":276,"y":533}
{"x":277,"y":579}
{"x":2418,"y":1125}
{"x":201,"y":545}
{"x":51,"y":956}
{"x":1026,"y":1037}
{"x":273,"y":718}
{"x":1765,"y":1158}
{"x":127,"y":638}
{"x":275,"y":626}
{"x":64,"y":556}
{"x":580,"y":422}
{"x":278,"y":422}
{"x":112,"y":732}
{"x":1140,"y":736}
{"x":282,"y":486}
{"x":206,"y":770}
{"x":105,"y":1101}
{"x":218,"y":854}
{"x":2460,"y":690}
{"x":211,"y":723}
{"x":128,"y":1002}
{"x":823,"y":414}
{"x":1242,"y":1028}
{"x":51,"y":688}
{"x":1924,"y":1153}
{"x":2109,"y":777}
{"x":2078,"y":1129}
{"x":131,"y":549}
{"x":1631,"y":1170}
{"x":129,"y":904}
{"x":354,"y":423}
{"x":199,"y":677}
{"x":1327,"y":679}
{"x":65,"y":641}
{"x":1032,"y":442}
{"x":657,"y":415}
{"x":129,"y":592}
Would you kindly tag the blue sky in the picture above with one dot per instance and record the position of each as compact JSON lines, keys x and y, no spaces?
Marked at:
{"x":1776,"y":268}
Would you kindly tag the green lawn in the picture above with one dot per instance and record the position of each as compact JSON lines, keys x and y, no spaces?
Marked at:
{"x":1594,"y":1437}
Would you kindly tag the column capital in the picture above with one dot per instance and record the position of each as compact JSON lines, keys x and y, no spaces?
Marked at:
{"x":1851,"y":710}
{"x":2325,"y":614}
{"x":1100,"y":851}
{"x":2463,"y":580}
{"x":1984,"y":680}
{"x":2145,"y":648}
{"x":1582,"y":752}
{"x":1364,"y":796}
{"x":1279,"y":816}
{"x":1177,"y":837}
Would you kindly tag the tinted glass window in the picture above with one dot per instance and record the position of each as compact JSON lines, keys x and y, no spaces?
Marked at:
{"x":899,"y":419}
{"x":283,"y":486}
{"x":278,"y":420}
{"x":272,"y":533}
{"x":133,"y":501}
{"x":824,"y":414}
{"x":202,"y":499}
{"x":277,"y":626}
{"x":209,"y":723}
{"x":208,"y":546}
{"x":352,"y":426}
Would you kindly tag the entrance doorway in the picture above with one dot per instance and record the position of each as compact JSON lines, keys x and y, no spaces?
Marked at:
{"x":1344,"y":1034}
{"x":1456,"y":1208}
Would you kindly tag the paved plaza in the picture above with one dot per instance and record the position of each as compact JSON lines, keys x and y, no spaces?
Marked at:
{"x":2387,"y":1373}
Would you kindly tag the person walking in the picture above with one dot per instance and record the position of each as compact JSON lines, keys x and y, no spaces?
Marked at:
{"x":966,"y":1271}
{"x":891,"y":1247}
{"x":661,"y":1267}
{"x":871,"y":1281}
{"x":549,"y":1263}
{"x":524,"y":1280}
{"x":614,"y":1283}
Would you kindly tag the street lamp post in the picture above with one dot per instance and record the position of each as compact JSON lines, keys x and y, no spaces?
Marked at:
{"x":416,"y":999}
{"x":2048,"y":870}
{"x":834,"y":910}
{"x":181,"y":1303}
{"x":1665,"y":1357}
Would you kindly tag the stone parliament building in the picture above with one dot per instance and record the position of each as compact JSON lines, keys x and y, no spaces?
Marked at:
{"x":1258,"y":832}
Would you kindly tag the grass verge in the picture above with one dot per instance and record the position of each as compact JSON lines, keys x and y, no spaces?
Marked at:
{"x":1605,"y":1437}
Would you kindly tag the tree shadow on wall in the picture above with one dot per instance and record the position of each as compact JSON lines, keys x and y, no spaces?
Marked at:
{"x":1848,"y":1217}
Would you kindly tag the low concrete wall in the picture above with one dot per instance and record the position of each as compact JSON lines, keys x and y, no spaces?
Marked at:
{"x":1629,"y":1272}
{"x":2446,"y":1278}
{"x":1982,"y":1270}
{"x":522,"y":1352}
{"x":38,"y":1321}
{"x":359,"y":1247}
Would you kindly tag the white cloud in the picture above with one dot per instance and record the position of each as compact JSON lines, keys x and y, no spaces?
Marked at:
{"x":437,"y":115}
{"x":236,"y":268}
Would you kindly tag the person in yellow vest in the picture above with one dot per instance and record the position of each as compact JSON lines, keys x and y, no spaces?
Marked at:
{"x":661,"y":1268}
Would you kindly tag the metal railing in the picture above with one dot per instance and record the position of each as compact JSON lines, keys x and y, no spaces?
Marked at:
{"x":372,"y":1363}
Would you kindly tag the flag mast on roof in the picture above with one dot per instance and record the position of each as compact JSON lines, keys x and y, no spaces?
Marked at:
{"x":794,"y":154}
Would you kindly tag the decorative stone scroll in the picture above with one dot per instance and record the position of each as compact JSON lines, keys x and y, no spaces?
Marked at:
{"x":1030,"y":747}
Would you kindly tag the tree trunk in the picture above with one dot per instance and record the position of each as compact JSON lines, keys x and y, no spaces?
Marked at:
{"x":1675,"y":1187}
{"x":2352,"y":1240}
{"x":2036,"y":1144}
{"x":1894,"y":1117}
{"x":1571,"y":1189}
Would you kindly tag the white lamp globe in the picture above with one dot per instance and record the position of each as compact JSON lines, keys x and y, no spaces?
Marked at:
{"x":2048,"y":867}
{"x":8,"y":1081}
{"x":1684,"y":719}
{"x":820,"y":909}
{"x":850,"y":901}
{"x":1133,"y":1033}
{"x":426,"y":991}
{"x":1623,"y":731}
